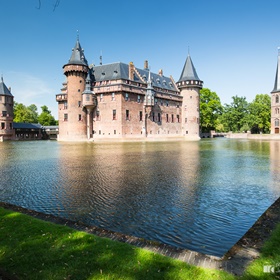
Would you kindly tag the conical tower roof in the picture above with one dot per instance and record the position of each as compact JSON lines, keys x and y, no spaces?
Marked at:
{"x":77,"y":56}
{"x":3,"y":89}
{"x":277,"y":76}
{"x":189,"y":72}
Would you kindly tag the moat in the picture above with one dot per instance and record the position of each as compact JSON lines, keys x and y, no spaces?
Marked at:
{"x":201,"y":196}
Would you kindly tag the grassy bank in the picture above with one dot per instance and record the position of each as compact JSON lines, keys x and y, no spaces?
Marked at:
{"x":34,"y":249}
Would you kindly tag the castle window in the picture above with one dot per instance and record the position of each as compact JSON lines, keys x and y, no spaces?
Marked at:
{"x":156,"y":100}
{"x":126,"y":96}
{"x":166,"y":117}
{"x":186,"y":120}
{"x":87,"y":97}
{"x":2,"y":125}
{"x":113,"y":96}
{"x":101,"y":96}
{"x":277,"y":99}
{"x":178,"y":118}
{"x":99,"y":132}
{"x":79,"y":117}
{"x":140,"y":116}
{"x":167,"y":103}
{"x":190,"y":97}
{"x":276,"y":110}
{"x":127,"y":117}
{"x":4,"y":113}
{"x":11,"y":125}
{"x":153,"y":116}
{"x":172,"y":118}
{"x":65,"y":105}
{"x":158,"y":117}
{"x":276,"y":122}
{"x":79,"y":90}
{"x":97,"y":115}
{"x":138,"y":98}
{"x":114,"y":114}
{"x":115,"y":132}
{"x":65,"y":118}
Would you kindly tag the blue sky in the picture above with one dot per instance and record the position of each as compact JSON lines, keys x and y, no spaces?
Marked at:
{"x":233,"y":44}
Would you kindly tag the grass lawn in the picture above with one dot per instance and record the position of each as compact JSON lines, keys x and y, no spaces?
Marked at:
{"x":34,"y":249}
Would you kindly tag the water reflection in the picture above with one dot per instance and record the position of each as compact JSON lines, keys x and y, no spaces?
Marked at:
{"x":197,"y":195}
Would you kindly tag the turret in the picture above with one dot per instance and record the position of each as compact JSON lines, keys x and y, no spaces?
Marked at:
{"x":150,"y":93}
{"x":72,"y":115}
{"x":89,"y":103}
{"x":189,"y":85}
{"x":275,"y":100}
{"x":6,"y":112}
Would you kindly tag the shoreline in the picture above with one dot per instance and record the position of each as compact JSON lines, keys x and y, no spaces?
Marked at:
{"x":234,"y":261}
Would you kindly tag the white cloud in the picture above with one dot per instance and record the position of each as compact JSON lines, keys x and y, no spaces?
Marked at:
{"x":29,"y":89}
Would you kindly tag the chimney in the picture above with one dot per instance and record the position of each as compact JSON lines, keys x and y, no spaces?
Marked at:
{"x":160,"y":72}
{"x":146,"y":65}
{"x":131,"y":71}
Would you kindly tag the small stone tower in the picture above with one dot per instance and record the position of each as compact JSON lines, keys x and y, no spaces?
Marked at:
{"x":72,"y":113}
{"x":275,"y":101}
{"x":189,"y":85}
{"x":149,"y":103}
{"x":6,"y":112}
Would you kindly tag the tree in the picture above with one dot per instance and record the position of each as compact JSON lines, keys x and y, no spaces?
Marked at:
{"x":235,"y":116}
{"x":260,"y":112}
{"x":45,"y":118}
{"x":25,"y":114}
{"x":210,"y":109}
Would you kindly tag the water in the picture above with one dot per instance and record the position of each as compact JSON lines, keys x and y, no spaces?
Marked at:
{"x":201,"y":195}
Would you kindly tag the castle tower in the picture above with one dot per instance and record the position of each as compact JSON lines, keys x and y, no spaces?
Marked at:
{"x":189,"y":85}
{"x":6,"y":112}
{"x":72,"y":113}
{"x":275,"y":100}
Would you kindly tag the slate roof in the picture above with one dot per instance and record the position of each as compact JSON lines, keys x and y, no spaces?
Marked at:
{"x":120,"y":70}
{"x":3,"y":89}
{"x":189,"y":72}
{"x":77,"y":56}
{"x":277,"y":77}
{"x":27,"y":126}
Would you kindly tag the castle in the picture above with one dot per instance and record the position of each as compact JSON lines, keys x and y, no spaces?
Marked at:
{"x":119,"y":100}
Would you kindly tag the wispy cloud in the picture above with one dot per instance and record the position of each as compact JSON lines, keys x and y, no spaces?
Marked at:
{"x":29,"y":89}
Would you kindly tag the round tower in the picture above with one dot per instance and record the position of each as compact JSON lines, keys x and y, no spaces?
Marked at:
{"x":72,"y":115}
{"x":6,"y":112}
{"x":189,"y":85}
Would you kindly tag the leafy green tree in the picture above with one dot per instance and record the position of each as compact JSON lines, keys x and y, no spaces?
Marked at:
{"x":26,"y":114}
{"x":235,"y":114}
{"x":260,"y":113}
{"x":45,"y":118}
{"x":210,"y":109}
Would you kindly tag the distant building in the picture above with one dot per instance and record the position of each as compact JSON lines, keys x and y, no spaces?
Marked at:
{"x":118,"y":100}
{"x":275,"y":100}
{"x":6,"y":112}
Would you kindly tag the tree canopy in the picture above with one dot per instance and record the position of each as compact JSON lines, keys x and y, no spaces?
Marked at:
{"x":29,"y":114}
{"x":238,"y":116}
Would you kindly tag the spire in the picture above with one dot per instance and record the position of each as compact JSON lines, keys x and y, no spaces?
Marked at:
{"x":277,"y":76}
{"x":77,"y":56}
{"x":3,"y":89}
{"x":149,"y":97}
{"x":189,"y":72}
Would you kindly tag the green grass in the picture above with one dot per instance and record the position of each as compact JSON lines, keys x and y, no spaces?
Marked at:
{"x":34,"y":249}
{"x":270,"y":255}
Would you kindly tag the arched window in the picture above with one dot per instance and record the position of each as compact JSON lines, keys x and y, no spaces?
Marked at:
{"x":276,"y":122}
{"x":277,"y":111}
{"x":277,"y":99}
